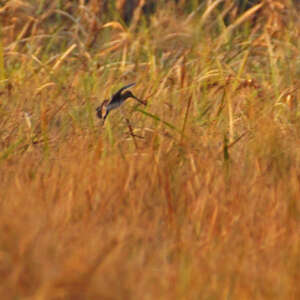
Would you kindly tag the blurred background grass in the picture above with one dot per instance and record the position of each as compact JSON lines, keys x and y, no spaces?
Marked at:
{"x":200,"y":201}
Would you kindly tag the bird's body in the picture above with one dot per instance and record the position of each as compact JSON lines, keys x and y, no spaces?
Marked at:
{"x":116,"y":101}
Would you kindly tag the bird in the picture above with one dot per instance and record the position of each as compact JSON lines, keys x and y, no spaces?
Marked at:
{"x":116,"y":101}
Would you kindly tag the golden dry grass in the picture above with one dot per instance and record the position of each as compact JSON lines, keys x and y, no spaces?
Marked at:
{"x":201,"y":201}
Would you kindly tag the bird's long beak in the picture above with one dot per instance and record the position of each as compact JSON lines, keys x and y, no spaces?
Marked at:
{"x":139,"y":100}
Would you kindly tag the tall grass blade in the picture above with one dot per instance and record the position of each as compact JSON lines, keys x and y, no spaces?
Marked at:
{"x":159,"y":119}
{"x":2,"y":69}
{"x":244,"y":17}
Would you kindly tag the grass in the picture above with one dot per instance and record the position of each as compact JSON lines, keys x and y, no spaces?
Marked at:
{"x":197,"y":197}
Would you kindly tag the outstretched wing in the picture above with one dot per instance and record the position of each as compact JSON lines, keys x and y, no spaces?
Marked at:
{"x":116,"y":97}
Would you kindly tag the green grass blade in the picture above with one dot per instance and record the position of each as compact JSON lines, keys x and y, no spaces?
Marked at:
{"x":158,"y":119}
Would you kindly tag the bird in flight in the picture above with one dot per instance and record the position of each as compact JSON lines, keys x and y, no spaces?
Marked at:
{"x":116,"y":101}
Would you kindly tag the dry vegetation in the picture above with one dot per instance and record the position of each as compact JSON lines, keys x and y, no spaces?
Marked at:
{"x":201,"y":200}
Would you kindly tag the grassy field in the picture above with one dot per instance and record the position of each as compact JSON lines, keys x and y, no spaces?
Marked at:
{"x":196,"y":196}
